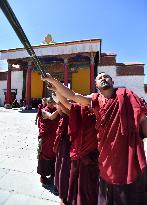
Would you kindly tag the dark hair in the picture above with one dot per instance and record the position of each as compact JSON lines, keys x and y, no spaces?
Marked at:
{"x":50,"y":100}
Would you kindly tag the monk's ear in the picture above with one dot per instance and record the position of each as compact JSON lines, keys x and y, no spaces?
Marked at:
{"x":112,"y":83}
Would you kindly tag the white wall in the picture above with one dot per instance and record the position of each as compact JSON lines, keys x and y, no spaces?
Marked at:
{"x":134,"y":83}
{"x":16,"y":83}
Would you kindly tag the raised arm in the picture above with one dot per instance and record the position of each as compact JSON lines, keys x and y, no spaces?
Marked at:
{"x":66,"y":92}
{"x":48,"y":115}
{"x":63,"y":109}
{"x":63,"y":101}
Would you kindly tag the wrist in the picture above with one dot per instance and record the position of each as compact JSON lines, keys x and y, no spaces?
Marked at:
{"x":53,"y":81}
{"x":50,"y":79}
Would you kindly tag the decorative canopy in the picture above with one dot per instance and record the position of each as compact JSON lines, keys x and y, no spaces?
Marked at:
{"x":66,"y":48}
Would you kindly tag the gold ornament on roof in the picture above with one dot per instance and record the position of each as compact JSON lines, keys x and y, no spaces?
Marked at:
{"x":48,"y":39}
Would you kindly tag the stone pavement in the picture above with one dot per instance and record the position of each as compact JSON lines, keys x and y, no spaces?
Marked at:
{"x":19,"y":182}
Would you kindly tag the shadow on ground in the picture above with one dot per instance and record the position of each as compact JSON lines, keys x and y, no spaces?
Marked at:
{"x":51,"y":187}
{"x":34,"y":110}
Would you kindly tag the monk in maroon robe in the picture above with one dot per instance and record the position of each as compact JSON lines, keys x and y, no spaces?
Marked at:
{"x":39,"y":112}
{"x":119,"y":116}
{"x":47,"y":135}
{"x":62,"y":165}
{"x":83,"y":182}
{"x":83,"y":154}
{"x":122,"y":160}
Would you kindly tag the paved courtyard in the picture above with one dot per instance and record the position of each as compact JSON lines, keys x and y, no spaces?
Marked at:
{"x":19,"y":182}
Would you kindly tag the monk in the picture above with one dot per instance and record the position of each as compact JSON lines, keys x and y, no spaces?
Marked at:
{"x":39,"y":113}
{"x":46,"y":138}
{"x":120,"y":115}
{"x":83,"y":154}
{"x":62,"y":150}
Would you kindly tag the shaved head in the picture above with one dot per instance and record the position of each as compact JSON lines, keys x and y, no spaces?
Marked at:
{"x":104,"y":81}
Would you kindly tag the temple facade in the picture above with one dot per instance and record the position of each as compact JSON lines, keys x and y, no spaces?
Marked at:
{"x":75,"y":64}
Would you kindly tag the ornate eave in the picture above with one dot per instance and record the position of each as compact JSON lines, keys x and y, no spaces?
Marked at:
{"x":57,"y":49}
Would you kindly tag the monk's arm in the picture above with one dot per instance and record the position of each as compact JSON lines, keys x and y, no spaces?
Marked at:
{"x":64,"y":102}
{"x":66,"y":92}
{"x":63,"y":109}
{"x":48,"y":115}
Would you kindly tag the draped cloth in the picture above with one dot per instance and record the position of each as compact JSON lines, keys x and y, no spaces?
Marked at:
{"x":122,"y":161}
{"x":124,"y":194}
{"x":62,"y":165}
{"x":47,"y":135}
{"x":82,"y":131}
{"x":121,"y":150}
{"x":62,"y":131}
{"x":83,"y":181}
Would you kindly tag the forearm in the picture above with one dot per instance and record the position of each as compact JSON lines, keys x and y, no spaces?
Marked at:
{"x":53,"y":115}
{"x":70,"y":94}
{"x":65,"y":110}
{"x":64,"y":102}
{"x":65,"y":91}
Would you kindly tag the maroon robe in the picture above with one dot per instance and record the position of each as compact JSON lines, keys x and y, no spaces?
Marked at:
{"x":126,"y":194}
{"x":47,"y":134}
{"x":83,"y":182}
{"x":40,"y":107}
{"x":121,"y":151}
{"x":62,"y":165}
{"x":83,"y":132}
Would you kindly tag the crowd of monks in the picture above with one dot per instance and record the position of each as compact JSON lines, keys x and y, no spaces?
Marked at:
{"x":91,"y":147}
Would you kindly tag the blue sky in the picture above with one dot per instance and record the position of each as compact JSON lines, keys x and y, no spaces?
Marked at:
{"x":121,"y":24}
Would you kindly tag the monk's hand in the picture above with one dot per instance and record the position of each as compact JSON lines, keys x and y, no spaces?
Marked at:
{"x":48,"y":78}
{"x":51,"y":87}
{"x":44,"y":114}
